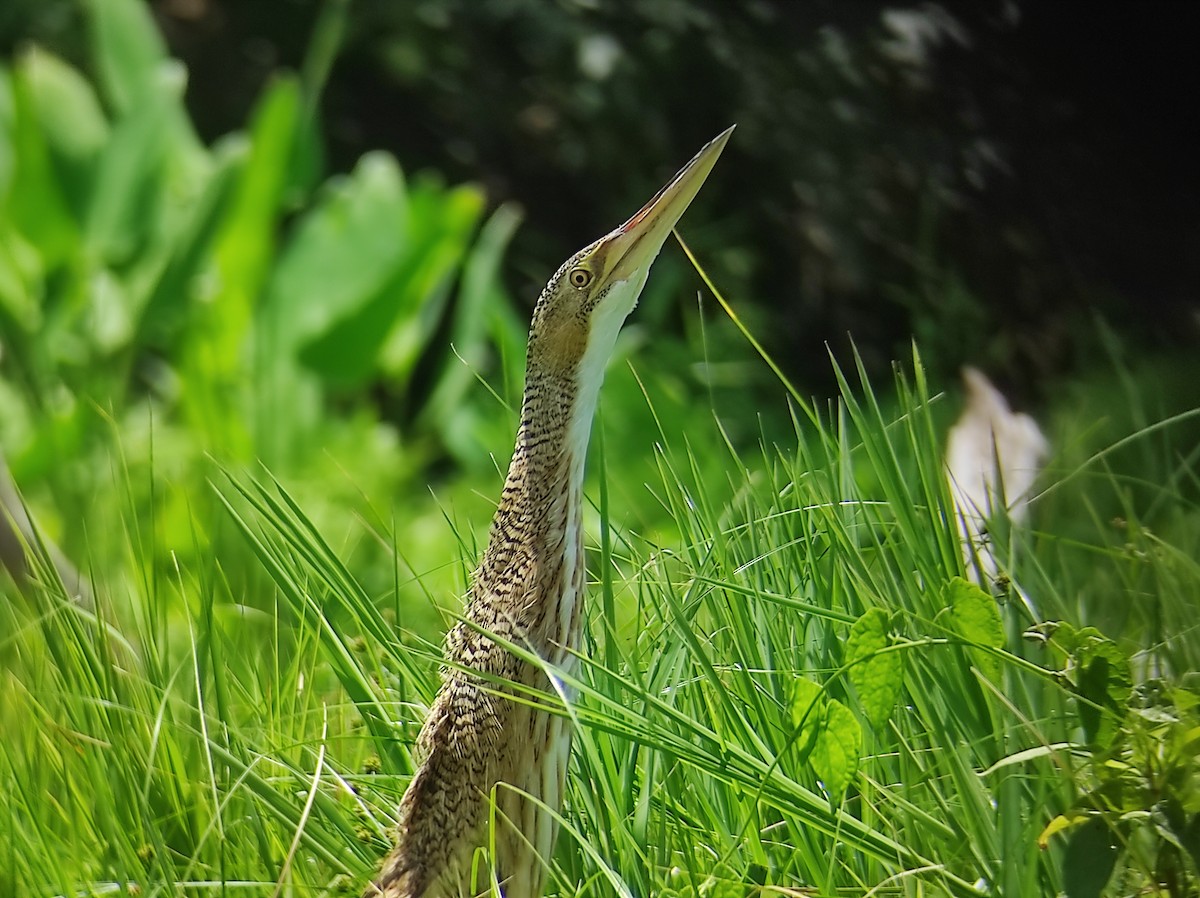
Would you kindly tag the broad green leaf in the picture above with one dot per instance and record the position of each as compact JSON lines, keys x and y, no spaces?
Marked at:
{"x":804,"y":703}
{"x":347,"y":355}
{"x":390,"y":331}
{"x":838,"y":748}
{"x":481,"y":301}
{"x":1051,"y":633}
{"x":1089,"y":859}
{"x":480,"y":288}
{"x":877,"y":675}
{"x":1072,"y":640}
{"x":58,"y":434}
{"x":128,"y":50}
{"x":6,"y":124}
{"x":341,"y":254}
{"x":456,"y":213}
{"x":20,"y":269}
{"x":169,"y":295}
{"x":1061,"y":634}
{"x":247,"y":242}
{"x":244,"y":251}
{"x":326,"y":39}
{"x":1104,"y":682}
{"x":976,"y":619}
{"x":109,"y":325}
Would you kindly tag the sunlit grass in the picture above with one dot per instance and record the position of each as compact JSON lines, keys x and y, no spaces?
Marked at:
{"x":184,"y":737}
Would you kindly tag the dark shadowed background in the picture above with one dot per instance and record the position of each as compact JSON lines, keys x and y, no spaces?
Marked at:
{"x":984,"y":177}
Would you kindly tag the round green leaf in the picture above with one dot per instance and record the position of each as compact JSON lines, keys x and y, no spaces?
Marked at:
{"x":838,"y":749}
{"x":877,"y":674}
{"x":976,"y":619}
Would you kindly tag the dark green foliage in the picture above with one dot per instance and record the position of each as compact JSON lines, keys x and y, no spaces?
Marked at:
{"x":930,"y":170}
{"x":1089,"y":859}
{"x":1139,"y":781}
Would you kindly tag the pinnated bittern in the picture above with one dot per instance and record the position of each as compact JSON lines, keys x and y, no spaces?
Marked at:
{"x":478,"y":745}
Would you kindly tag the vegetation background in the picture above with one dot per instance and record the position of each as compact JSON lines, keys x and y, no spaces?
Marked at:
{"x":265,"y":273}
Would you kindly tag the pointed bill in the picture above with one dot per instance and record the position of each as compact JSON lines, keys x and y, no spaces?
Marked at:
{"x":636,"y":243}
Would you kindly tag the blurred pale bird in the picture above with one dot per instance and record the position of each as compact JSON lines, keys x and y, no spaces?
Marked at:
{"x":993,"y":456}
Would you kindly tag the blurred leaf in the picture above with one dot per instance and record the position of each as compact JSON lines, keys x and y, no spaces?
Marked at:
{"x":836,"y":754}
{"x":877,"y":675}
{"x":481,"y":302}
{"x":1068,"y":639}
{"x":128,"y":182}
{"x":1190,"y":839}
{"x":215,"y":352}
{"x":127,"y":49}
{"x":248,"y":238}
{"x":1089,"y":859}
{"x":72,"y":122}
{"x":59,"y":433}
{"x":20,"y":266}
{"x":452,"y":217}
{"x":35,"y":203}
{"x":976,"y":619}
{"x":1059,"y":824}
{"x":1185,"y":700}
{"x":341,"y":254}
{"x":326,"y":39}
{"x":170,"y":293}
{"x":7,"y":116}
{"x":1170,"y":822}
{"x":347,"y":355}
{"x":110,"y":323}
{"x":723,"y":888}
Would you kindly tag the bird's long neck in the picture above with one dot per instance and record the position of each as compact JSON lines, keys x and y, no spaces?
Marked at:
{"x":545,"y":477}
{"x":546,"y":474}
{"x":539,"y":520}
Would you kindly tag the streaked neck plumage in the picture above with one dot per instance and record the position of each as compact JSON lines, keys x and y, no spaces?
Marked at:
{"x":541,"y":508}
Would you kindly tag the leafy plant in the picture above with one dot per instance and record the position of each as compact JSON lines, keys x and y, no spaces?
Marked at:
{"x":1137,"y":817}
{"x":166,"y":301}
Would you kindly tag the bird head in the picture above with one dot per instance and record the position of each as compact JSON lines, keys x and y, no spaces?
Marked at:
{"x":588,"y":299}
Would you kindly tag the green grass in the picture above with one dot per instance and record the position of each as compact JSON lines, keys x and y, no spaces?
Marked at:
{"x":216,"y":729}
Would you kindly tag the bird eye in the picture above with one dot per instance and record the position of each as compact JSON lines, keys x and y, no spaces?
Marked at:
{"x":579,"y":277}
